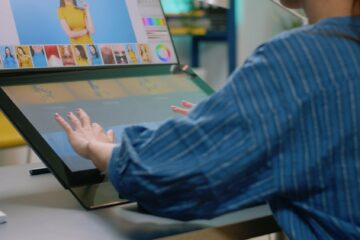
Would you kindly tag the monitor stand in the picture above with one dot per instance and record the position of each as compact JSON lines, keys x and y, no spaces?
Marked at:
{"x":39,"y":171}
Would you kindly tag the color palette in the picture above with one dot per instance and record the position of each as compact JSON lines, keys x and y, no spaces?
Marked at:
{"x":163,"y":53}
{"x":154,"y":22}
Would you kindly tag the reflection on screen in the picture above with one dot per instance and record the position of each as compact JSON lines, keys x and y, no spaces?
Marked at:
{"x":68,"y":33}
{"x":113,"y":103}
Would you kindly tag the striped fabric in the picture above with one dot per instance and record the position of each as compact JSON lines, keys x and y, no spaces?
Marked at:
{"x":284,"y":130}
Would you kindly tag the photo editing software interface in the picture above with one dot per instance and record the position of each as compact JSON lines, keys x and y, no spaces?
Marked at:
{"x":75,"y":33}
{"x":113,"y":103}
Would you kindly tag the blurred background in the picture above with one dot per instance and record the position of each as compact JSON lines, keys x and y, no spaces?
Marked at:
{"x":216,"y":41}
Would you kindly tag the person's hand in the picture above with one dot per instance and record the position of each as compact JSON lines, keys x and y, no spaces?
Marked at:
{"x":88,"y":139}
{"x":187,"y":106}
{"x":84,"y":31}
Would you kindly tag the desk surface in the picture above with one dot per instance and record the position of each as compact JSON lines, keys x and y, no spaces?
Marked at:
{"x":39,"y":208}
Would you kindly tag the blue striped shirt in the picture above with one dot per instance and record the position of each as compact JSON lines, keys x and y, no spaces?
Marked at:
{"x":284,"y":130}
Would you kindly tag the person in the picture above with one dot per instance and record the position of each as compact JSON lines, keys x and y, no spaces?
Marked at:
{"x":80,"y":56}
{"x":23,"y":58}
{"x":94,"y":55}
{"x":284,"y":130}
{"x":67,"y":55}
{"x":38,"y":56}
{"x":107,"y":55}
{"x":76,"y":22}
{"x":144,"y":53}
{"x":1,"y":63}
{"x":9,"y":60}
{"x":132,"y":55}
{"x":122,"y":59}
{"x":53,"y":56}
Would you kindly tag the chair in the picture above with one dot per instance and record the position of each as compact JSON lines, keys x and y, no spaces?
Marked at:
{"x":9,"y":137}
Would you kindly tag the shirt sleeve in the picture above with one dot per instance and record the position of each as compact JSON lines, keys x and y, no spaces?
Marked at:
{"x":216,"y":160}
{"x":61,"y":14}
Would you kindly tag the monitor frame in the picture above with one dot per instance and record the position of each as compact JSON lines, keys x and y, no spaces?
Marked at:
{"x":65,"y":176}
{"x":89,"y":187}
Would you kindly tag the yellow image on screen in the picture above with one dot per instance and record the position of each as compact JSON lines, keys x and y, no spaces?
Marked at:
{"x":147,"y":86}
{"x":95,"y":90}
{"x":41,"y":94}
{"x":24,"y":57}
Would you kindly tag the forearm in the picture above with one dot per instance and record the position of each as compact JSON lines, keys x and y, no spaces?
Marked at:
{"x":161,"y":190}
{"x":70,"y":33}
{"x":100,"y":154}
{"x":76,"y":34}
{"x":168,"y":170}
{"x":89,"y":23}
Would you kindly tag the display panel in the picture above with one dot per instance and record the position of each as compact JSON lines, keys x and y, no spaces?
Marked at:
{"x":114,"y":103}
{"x":83,"y":33}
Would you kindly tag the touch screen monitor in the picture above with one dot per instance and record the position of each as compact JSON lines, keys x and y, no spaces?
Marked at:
{"x":83,"y":33}
{"x":114,"y":102}
{"x":59,"y":34}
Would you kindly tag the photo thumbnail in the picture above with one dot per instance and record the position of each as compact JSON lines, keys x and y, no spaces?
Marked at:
{"x":24,"y":57}
{"x":107,"y":54}
{"x":120,"y":54}
{"x":8,"y":57}
{"x":38,"y":56}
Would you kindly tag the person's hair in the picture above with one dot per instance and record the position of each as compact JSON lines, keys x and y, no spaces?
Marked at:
{"x":10,"y":54}
{"x":22,"y":50}
{"x":356,"y":8}
{"x":62,"y":3}
{"x":81,"y":51}
{"x":96,"y":51}
{"x":32,"y":51}
{"x":351,"y":37}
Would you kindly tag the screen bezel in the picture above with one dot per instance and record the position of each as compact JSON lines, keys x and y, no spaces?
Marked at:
{"x":9,"y":72}
{"x":66,"y":177}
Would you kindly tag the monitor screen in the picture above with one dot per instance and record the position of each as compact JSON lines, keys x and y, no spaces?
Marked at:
{"x":80,"y":33}
{"x":113,"y":103}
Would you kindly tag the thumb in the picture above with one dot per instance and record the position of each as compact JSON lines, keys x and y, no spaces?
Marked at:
{"x":111,"y":135}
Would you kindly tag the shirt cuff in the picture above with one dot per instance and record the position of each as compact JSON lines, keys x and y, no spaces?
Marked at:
{"x":117,"y":166}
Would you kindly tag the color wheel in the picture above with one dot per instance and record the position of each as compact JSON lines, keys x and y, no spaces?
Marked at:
{"x":163,"y":53}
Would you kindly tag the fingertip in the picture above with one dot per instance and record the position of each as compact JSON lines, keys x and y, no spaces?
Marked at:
{"x":111,"y":134}
{"x":185,"y":103}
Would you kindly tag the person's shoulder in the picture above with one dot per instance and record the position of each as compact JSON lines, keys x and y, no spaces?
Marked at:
{"x":295,"y":36}
{"x":61,"y":12}
{"x":282,"y":46}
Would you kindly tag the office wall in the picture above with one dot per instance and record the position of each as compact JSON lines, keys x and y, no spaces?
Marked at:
{"x":257,"y":21}
{"x":213,"y":60}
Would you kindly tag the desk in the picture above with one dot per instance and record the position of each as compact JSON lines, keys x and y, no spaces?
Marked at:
{"x":39,"y":208}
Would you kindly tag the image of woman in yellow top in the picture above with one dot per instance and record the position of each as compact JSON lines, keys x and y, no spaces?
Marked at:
{"x":132,"y":55}
{"x":80,"y":56}
{"x":23,"y":58}
{"x":76,"y":22}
